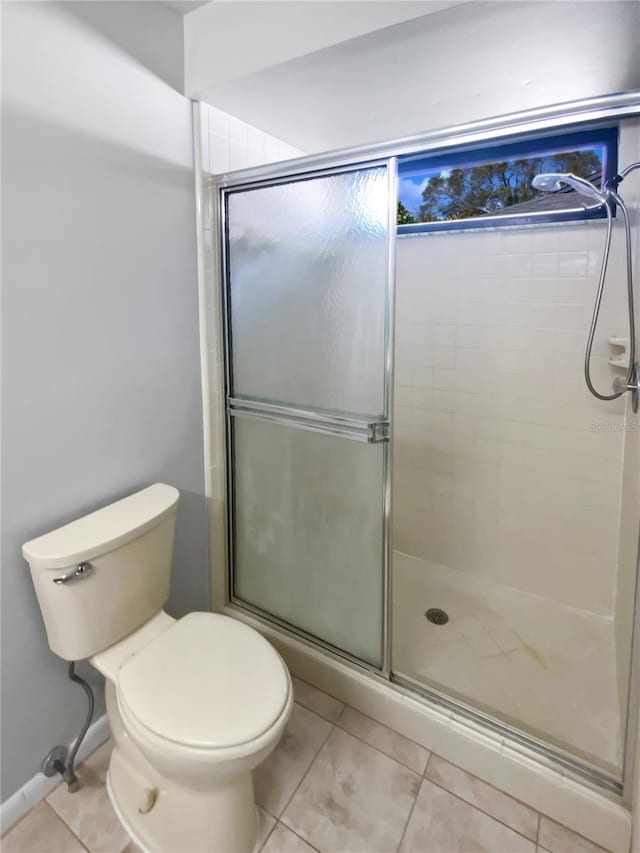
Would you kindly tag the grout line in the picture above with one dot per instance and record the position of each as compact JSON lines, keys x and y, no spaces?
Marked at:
{"x":386,"y":754}
{"x":489,"y":784}
{"x":486,"y":814}
{"x":311,"y":763}
{"x":341,"y":715}
{"x":297,"y":834}
{"x":270,"y":833}
{"x":539,"y":814}
{"x":409,"y":816}
{"x":573,"y":832}
{"x":297,"y":677}
{"x":426,"y":767}
{"x":64,"y":823}
{"x":313,"y":710}
{"x":377,"y":748}
{"x":23,"y":818}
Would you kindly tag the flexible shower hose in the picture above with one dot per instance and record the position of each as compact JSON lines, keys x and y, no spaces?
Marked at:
{"x":631,"y":372}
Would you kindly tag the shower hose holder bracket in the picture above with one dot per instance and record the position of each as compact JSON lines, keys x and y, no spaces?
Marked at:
{"x":632,"y":384}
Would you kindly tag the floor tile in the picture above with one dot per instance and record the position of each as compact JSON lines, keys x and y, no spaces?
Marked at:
{"x":88,"y":812}
{"x":265,"y":825}
{"x":278,"y":777}
{"x":441,"y":822}
{"x":485,"y":797}
{"x":558,"y":839}
{"x":323,"y":704}
{"x":42,"y":831}
{"x":353,"y":798}
{"x":282,"y":840}
{"x":394,"y":745}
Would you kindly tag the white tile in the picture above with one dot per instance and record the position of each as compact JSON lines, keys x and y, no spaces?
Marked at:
{"x":517,"y":328}
{"x":238,"y":132}
{"x":238,"y":156}
{"x":220,"y":160}
{"x":255,"y":157}
{"x":271,"y":149}
{"x":255,"y":139}
{"x":219,"y":122}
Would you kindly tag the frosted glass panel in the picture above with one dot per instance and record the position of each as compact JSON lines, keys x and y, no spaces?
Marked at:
{"x":308,"y":532}
{"x":307,"y":270}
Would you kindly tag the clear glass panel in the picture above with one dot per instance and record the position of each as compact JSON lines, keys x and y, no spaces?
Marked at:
{"x":307,"y":270}
{"x":308,"y":532}
{"x":515,"y":492}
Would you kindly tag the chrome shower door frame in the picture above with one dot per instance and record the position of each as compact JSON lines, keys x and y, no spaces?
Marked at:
{"x":585,"y":113}
{"x":375,"y":431}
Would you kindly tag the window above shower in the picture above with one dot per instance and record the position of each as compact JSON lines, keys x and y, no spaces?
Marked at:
{"x":491,"y":186}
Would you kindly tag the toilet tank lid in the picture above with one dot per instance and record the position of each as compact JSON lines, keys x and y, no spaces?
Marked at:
{"x":103,"y":530}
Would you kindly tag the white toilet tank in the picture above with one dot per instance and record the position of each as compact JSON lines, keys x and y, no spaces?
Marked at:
{"x":102,"y":576}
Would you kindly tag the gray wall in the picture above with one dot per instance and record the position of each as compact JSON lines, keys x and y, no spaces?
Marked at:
{"x":100,"y":357}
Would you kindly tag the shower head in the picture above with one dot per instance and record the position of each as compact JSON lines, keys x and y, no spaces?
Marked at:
{"x":556,"y":180}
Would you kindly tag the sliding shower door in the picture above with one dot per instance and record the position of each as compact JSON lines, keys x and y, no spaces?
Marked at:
{"x":307,"y":311}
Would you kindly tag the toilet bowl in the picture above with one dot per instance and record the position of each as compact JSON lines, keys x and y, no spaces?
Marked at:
{"x":194,"y":704}
{"x":188,"y":730}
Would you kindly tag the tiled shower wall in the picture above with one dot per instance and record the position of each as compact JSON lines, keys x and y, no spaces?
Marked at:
{"x":230,"y":144}
{"x":505,"y":466}
{"x":628,"y":550}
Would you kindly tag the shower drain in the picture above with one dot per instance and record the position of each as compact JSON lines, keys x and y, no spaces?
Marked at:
{"x":437,"y":616}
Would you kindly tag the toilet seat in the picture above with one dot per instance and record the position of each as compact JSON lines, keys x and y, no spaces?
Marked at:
{"x":208,"y":682}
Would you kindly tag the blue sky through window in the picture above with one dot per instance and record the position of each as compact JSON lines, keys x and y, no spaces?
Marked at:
{"x":411,"y":188}
{"x":476,"y":183}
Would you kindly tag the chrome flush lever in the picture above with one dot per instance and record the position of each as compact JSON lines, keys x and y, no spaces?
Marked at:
{"x":81,"y":571}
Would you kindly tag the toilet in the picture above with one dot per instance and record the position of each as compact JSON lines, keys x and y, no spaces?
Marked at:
{"x":194,"y":704}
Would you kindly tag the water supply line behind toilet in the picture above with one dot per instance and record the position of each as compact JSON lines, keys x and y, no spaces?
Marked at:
{"x":61,"y":759}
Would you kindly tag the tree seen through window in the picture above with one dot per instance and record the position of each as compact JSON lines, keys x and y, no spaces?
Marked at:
{"x":489,"y":188}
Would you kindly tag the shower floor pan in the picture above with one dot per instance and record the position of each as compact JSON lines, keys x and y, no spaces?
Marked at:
{"x":545,"y":668}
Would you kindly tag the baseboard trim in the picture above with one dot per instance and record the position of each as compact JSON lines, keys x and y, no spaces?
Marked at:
{"x":600,"y":817}
{"x":39,"y":786}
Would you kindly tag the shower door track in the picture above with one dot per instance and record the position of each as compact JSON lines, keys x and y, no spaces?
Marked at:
{"x":580,"y":769}
{"x":431,"y":697}
{"x":588,"y":112}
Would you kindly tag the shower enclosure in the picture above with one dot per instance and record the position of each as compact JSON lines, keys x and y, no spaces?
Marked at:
{"x":308,"y":331}
{"x":435,"y":379}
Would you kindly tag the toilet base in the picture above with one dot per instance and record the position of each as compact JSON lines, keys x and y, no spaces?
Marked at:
{"x":220,"y":819}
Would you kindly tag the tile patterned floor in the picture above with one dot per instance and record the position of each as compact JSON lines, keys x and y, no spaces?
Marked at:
{"x":339,"y":782}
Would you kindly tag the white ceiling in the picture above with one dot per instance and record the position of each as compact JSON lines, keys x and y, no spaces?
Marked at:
{"x":471,"y":61}
{"x":184,"y":6}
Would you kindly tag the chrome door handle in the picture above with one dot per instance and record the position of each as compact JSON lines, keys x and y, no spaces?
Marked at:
{"x":81,"y":571}
{"x":370,"y":429}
